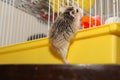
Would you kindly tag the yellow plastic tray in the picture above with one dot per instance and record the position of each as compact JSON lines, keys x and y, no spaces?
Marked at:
{"x":99,"y":45}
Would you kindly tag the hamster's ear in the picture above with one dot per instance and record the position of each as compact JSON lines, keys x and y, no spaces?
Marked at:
{"x":72,"y":13}
{"x":76,"y":5}
{"x":62,"y":9}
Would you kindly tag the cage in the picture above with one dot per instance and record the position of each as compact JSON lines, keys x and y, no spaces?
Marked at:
{"x":24,"y":26}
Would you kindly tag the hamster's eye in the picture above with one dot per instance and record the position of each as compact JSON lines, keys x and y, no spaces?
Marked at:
{"x":77,"y":10}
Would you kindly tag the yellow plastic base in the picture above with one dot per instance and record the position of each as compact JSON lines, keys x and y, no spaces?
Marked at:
{"x":98,"y":45}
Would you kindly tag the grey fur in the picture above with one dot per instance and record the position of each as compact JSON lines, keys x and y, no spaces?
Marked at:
{"x":63,"y":30}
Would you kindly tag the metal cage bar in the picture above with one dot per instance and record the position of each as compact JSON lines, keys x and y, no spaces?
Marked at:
{"x":21,"y":20}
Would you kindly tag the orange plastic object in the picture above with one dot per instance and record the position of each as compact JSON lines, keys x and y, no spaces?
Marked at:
{"x":88,"y":21}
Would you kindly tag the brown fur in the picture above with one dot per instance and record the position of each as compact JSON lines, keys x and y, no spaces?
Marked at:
{"x":64,"y":29}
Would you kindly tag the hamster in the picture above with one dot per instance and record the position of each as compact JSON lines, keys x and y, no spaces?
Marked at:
{"x":64,"y":29}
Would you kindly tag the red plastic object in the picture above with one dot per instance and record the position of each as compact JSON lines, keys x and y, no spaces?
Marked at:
{"x":45,"y":16}
{"x":88,"y":21}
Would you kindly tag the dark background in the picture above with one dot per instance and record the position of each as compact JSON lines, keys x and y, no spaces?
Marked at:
{"x":60,"y":72}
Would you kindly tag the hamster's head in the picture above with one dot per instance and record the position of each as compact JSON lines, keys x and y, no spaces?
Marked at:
{"x":73,"y":11}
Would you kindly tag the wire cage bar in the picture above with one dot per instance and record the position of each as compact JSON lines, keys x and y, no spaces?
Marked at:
{"x":24,"y":20}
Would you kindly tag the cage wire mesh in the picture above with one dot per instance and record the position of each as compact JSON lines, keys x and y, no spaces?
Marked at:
{"x":23,"y":20}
